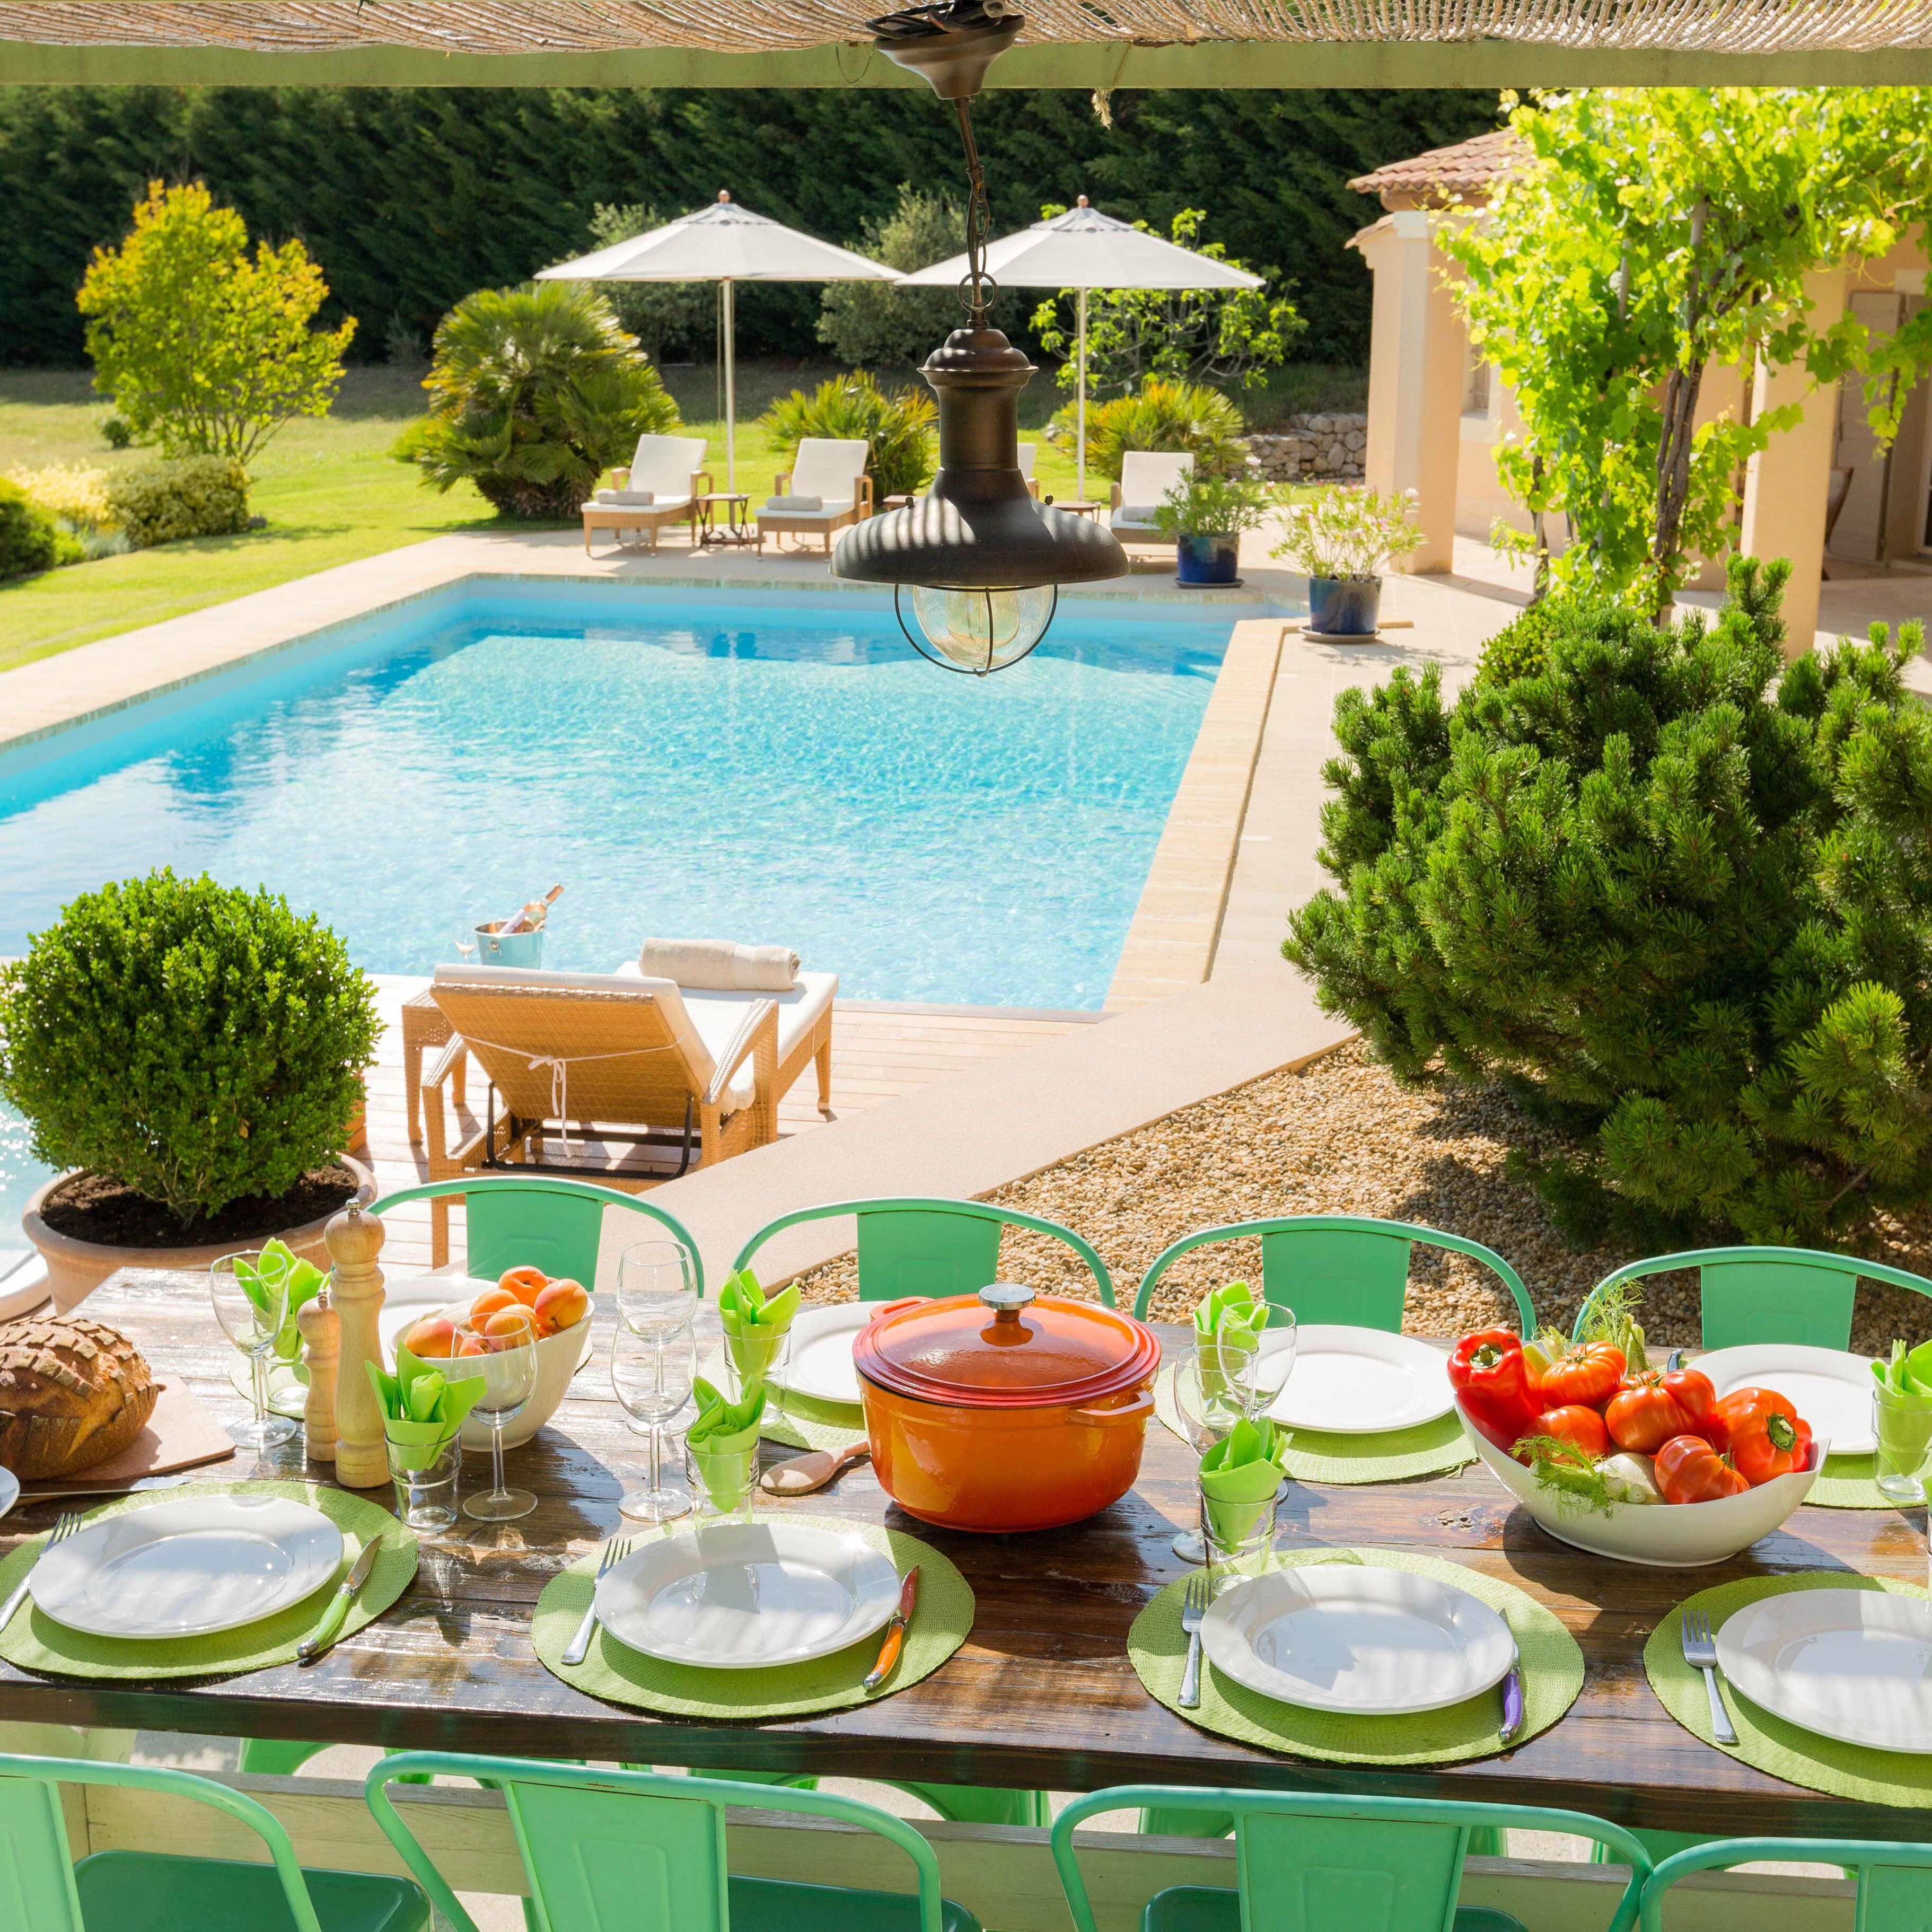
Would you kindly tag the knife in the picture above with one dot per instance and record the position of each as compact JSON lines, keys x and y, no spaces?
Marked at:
{"x":139,"y":1486}
{"x":895,"y":1630}
{"x":310,"y":1647}
{"x":1513,"y":1698}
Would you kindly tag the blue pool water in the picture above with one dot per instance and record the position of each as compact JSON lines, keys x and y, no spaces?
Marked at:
{"x":766,"y":771}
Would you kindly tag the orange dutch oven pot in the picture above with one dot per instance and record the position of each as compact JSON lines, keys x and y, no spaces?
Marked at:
{"x":1002,"y":1411}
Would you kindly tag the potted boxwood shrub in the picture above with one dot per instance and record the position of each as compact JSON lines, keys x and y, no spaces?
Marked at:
{"x":188,"y":1054}
{"x":1343,"y":539}
{"x":1205,"y":513}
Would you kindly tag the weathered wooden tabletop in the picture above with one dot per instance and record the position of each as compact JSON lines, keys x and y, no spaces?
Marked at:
{"x":1042,"y":1696}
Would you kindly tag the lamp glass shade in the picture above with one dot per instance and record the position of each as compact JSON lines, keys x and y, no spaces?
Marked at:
{"x":979,"y":630}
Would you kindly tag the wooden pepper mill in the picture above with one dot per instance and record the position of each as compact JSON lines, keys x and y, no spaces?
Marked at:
{"x":354,"y":1240}
{"x":321,"y":1346}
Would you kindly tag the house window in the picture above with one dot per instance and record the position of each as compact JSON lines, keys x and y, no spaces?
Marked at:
{"x":1476,"y":384}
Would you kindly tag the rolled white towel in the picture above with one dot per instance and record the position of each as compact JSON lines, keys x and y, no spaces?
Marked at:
{"x":1134,"y":513}
{"x":717,"y":966}
{"x":794,"y":502}
{"x":636,"y":499}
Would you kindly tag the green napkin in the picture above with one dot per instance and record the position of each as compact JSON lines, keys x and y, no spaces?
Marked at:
{"x":719,"y":1438}
{"x":1228,"y":1322}
{"x":422,"y":1409}
{"x":281,"y":1268}
{"x":1239,"y":1477}
{"x":753,"y":1326}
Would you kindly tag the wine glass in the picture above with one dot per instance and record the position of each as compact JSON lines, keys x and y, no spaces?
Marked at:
{"x":1208,"y":1411}
{"x":1272,"y":1363}
{"x":251,"y":1304}
{"x":652,"y":1376}
{"x":465,"y":939}
{"x":506,"y":1349}
{"x":657,"y":1292}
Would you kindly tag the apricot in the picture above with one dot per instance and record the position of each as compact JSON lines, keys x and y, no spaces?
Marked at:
{"x":525,"y":1283}
{"x":562,"y":1305}
{"x":508,"y":1324}
{"x":433,"y":1338}
{"x":488,"y":1303}
{"x":468,"y":1345}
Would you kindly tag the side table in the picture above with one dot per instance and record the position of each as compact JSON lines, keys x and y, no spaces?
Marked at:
{"x":738,"y":527}
{"x":424,"y":1025}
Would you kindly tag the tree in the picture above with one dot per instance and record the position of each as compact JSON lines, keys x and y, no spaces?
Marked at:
{"x":661,"y":315}
{"x":534,"y":393}
{"x":1679,"y":892}
{"x":204,"y":350}
{"x":1185,"y":335}
{"x":879,"y":325}
{"x":1650,"y":235}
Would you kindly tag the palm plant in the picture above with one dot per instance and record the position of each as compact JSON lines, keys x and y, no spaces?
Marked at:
{"x":534,"y":393}
{"x":899,"y":425}
{"x":1161,"y":416}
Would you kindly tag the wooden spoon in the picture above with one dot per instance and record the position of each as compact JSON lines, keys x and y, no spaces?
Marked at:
{"x":800,"y":1475}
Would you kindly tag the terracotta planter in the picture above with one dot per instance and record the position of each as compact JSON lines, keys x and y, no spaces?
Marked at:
{"x":75,"y":1268}
{"x":985,"y":1413}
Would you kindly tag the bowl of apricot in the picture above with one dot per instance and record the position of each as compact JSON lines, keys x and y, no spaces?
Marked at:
{"x":448,"y":1333}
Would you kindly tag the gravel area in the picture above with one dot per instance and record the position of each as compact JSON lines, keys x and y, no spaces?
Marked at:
{"x":1342,"y":1137}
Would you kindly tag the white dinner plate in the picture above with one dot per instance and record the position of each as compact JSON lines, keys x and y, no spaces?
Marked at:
{"x":1350,"y":1637}
{"x":1830,"y":1388}
{"x":188,"y":1566}
{"x":9,"y":1490}
{"x":746,"y":1596}
{"x":821,"y":1363}
{"x":1355,"y":1381}
{"x":1856,"y":1665}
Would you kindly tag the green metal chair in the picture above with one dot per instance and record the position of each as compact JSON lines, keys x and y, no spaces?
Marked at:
{"x":1890,"y":1899}
{"x":42,"y":1888}
{"x":543,"y":1222}
{"x":918,"y":1246}
{"x":1308,"y":1861}
{"x":1801,"y":1295}
{"x":1340,"y":1268}
{"x":636,"y":1851}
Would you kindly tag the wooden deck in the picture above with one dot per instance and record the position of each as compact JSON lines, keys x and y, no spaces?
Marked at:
{"x":880,"y":1050}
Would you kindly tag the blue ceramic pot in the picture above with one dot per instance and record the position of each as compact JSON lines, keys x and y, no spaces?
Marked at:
{"x":1344,"y":607}
{"x":1206,"y":559}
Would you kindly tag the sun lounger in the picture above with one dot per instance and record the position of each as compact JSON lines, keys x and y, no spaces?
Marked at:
{"x":665,"y":469}
{"x":832,"y":471}
{"x":1146,"y":477}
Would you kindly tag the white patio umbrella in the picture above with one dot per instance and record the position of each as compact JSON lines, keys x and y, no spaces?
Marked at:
{"x":1083,"y":249}
{"x":724,"y":243}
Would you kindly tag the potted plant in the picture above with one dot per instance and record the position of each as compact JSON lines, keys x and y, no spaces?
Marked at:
{"x":187,"y":1053}
{"x":1343,"y":539}
{"x":1205,"y":513}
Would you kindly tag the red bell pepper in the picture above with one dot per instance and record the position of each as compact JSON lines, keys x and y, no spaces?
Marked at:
{"x":1764,"y":1433}
{"x":1492,"y":1379}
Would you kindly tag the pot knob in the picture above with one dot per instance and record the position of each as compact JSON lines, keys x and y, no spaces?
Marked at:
{"x":1005,"y":1299}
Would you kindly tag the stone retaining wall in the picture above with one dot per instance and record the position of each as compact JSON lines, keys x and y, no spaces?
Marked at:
{"x":1313,"y":449}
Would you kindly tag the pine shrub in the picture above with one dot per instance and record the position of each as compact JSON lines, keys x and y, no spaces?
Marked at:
{"x":196,"y":1042}
{"x":165,"y":502}
{"x":1677,"y":890}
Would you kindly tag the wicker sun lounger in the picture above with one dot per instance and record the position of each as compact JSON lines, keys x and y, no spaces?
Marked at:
{"x":832,"y":470}
{"x":665,"y":467}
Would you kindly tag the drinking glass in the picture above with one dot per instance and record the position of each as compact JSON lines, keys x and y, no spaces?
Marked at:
{"x":426,"y":1484}
{"x":251,"y":1307}
{"x":771,"y":1370}
{"x":1208,"y":1413}
{"x":465,"y":939}
{"x":508,"y":1364}
{"x":652,"y":1376}
{"x":1235,"y":1552}
{"x":1904,"y":1432}
{"x":728,"y":1482}
{"x":657,"y":1292}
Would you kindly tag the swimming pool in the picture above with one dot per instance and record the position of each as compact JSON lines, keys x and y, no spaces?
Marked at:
{"x":775,"y":768}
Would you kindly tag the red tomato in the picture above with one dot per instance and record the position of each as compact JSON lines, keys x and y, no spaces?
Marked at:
{"x":1764,"y":1434}
{"x":1690,"y":1471}
{"x":1647,"y":1411}
{"x":1582,"y":1428}
{"x":1588,"y":1375}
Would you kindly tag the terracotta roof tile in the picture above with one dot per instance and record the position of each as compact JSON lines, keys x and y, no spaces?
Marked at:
{"x":1468,"y":171}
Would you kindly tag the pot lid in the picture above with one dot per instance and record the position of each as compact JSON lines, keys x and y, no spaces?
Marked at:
{"x":1005,"y":1348}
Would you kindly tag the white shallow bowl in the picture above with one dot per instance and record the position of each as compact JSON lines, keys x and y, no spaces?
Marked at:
{"x":1666,"y":1536}
{"x":558,"y":1356}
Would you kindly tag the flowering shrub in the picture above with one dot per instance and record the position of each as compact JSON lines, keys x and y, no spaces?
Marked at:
{"x":163,"y":502}
{"x":1348,"y":534}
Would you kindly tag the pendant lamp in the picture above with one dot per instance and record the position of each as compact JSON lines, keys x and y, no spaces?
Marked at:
{"x":976,"y":565}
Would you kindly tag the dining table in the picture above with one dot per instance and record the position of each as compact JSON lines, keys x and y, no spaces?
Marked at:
{"x":1042,"y":1696}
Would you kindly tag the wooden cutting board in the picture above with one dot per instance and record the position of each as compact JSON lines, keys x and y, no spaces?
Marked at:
{"x":181,"y":1434}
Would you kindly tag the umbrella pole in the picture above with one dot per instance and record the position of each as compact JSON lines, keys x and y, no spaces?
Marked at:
{"x":1082,"y":373}
{"x":730,"y":393}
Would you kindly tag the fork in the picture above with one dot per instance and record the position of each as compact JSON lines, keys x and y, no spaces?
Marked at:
{"x":69,"y":1522}
{"x":615,"y":1551}
{"x":1193,"y":1608}
{"x":1701,"y":1654}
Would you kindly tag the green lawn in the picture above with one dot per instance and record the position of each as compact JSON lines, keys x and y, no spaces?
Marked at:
{"x":331,"y":491}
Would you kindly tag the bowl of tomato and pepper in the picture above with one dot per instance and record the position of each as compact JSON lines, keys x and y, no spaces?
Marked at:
{"x":1647,"y":1465}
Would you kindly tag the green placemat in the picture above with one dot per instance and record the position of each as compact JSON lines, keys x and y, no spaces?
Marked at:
{"x":1552,"y":1665}
{"x":1318,"y":1455}
{"x":35,"y":1641}
{"x":807,"y":1422}
{"x":620,"y":1675}
{"x":1767,"y":1743}
{"x":1848,"y":1482}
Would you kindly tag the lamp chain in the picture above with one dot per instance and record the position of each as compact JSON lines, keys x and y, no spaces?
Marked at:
{"x":981,"y":287}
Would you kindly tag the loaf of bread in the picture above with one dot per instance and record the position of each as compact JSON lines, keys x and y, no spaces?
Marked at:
{"x":72,"y":1392}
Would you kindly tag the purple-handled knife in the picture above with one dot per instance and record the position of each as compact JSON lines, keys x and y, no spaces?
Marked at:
{"x":1512,"y":1701}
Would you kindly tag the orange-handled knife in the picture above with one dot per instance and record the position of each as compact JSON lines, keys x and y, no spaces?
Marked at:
{"x":895,"y":1630}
